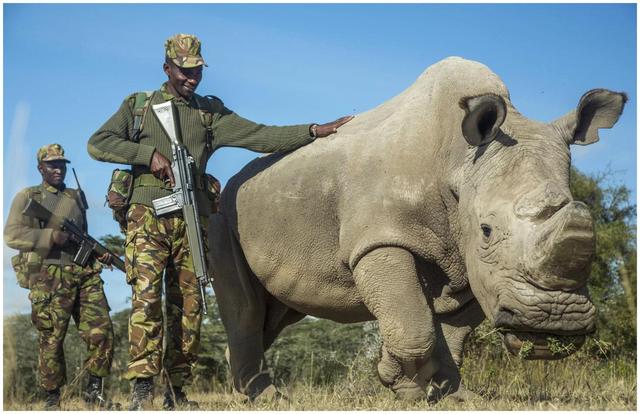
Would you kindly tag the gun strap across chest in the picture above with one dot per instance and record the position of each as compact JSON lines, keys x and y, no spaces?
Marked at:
{"x":205,"y":109}
{"x":61,"y":256}
{"x":206,"y":117}
{"x":35,"y":193}
{"x":141,"y":104}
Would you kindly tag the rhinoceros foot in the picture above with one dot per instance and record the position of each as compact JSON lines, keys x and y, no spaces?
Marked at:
{"x":444,"y":390}
{"x":271,"y":393}
{"x":540,"y":345}
{"x":408,"y":392}
{"x":260,"y":389}
{"x":463,"y":395}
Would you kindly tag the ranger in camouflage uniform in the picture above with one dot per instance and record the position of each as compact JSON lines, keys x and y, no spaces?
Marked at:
{"x":156,"y":246}
{"x":60,"y":289}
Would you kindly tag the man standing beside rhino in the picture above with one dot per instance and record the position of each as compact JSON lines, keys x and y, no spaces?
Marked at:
{"x":157,"y":246}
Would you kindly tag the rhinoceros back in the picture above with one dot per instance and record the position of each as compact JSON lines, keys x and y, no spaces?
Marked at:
{"x":304,"y":219}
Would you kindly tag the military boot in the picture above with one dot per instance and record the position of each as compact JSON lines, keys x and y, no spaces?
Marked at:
{"x":52,"y":400}
{"x":142,"y":396}
{"x":94,"y":396}
{"x":177,"y":398}
{"x":93,"y":392}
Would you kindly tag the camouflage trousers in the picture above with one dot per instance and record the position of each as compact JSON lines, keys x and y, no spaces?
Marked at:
{"x":58,"y":293}
{"x":155,"y":247}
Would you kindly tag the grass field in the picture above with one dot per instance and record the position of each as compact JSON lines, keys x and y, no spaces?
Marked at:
{"x":579,"y":382}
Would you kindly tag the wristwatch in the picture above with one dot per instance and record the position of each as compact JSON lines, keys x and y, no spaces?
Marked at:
{"x":313,"y":131}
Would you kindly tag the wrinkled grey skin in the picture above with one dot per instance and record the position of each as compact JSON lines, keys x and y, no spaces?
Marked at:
{"x":427,"y":213}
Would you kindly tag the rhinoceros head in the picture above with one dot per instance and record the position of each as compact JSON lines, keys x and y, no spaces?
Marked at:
{"x":528,"y":245}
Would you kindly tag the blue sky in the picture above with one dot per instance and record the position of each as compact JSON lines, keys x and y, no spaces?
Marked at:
{"x":68,"y":67}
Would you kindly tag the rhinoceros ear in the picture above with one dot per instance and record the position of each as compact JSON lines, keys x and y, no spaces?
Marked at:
{"x":598,"y":108}
{"x":484,"y":115}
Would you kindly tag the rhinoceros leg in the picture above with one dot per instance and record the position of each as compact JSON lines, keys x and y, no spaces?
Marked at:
{"x":386,"y":279}
{"x":453,"y":330}
{"x":278,"y":317}
{"x":242,"y":304}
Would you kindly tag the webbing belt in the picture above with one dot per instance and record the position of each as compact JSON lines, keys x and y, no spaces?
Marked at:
{"x":149,"y":180}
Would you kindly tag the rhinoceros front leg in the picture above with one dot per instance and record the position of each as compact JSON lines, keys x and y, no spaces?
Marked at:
{"x":386,"y":279}
{"x":453,"y":329}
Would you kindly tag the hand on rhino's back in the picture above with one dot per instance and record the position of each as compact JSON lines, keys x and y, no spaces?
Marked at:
{"x":448,"y":170}
{"x":394,"y":137}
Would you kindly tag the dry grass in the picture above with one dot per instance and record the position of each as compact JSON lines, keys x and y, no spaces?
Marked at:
{"x":576,"y":383}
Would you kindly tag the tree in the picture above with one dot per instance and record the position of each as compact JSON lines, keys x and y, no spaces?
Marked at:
{"x":114,"y":242}
{"x":321,"y":352}
{"x":613,"y":273}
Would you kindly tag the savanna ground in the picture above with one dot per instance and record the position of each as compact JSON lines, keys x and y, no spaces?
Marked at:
{"x":503,"y":382}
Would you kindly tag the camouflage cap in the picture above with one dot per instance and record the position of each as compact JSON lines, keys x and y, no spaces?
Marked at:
{"x":51,"y":152}
{"x":184,"y":50}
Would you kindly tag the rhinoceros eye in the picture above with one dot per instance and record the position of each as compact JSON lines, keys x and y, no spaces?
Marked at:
{"x":486,"y":230}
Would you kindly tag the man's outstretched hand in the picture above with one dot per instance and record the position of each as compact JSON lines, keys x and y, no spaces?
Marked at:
{"x":327,"y":129}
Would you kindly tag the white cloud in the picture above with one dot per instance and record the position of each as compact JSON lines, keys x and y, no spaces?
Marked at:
{"x":17,"y":152}
{"x":15,"y":298}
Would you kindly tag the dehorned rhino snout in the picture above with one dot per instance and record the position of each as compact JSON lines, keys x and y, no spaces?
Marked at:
{"x":543,"y":202}
{"x":561,"y":249}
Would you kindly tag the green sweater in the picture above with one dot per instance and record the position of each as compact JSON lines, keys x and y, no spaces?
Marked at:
{"x":113,"y":141}
{"x":25,"y":234}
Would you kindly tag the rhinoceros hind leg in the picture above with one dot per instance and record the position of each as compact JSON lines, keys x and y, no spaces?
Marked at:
{"x":453,"y":330}
{"x":271,"y":393}
{"x":243,"y":308}
{"x":279,"y":316}
{"x":259,"y":387}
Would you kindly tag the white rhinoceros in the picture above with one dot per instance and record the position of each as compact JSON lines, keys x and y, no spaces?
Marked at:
{"x":427,"y":213}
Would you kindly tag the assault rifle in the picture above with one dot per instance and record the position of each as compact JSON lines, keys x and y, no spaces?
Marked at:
{"x":183,"y":197}
{"x":83,"y":198}
{"x":87,"y":244}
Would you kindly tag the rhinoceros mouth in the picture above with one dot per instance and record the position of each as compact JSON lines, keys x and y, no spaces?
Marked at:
{"x":540,"y":345}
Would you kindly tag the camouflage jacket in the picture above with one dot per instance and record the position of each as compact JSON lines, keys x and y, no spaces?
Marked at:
{"x":113,"y":141}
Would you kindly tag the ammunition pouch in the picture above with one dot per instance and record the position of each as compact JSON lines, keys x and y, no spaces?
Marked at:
{"x":119,"y":195}
{"x":41,"y":310}
{"x":25,"y":264}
